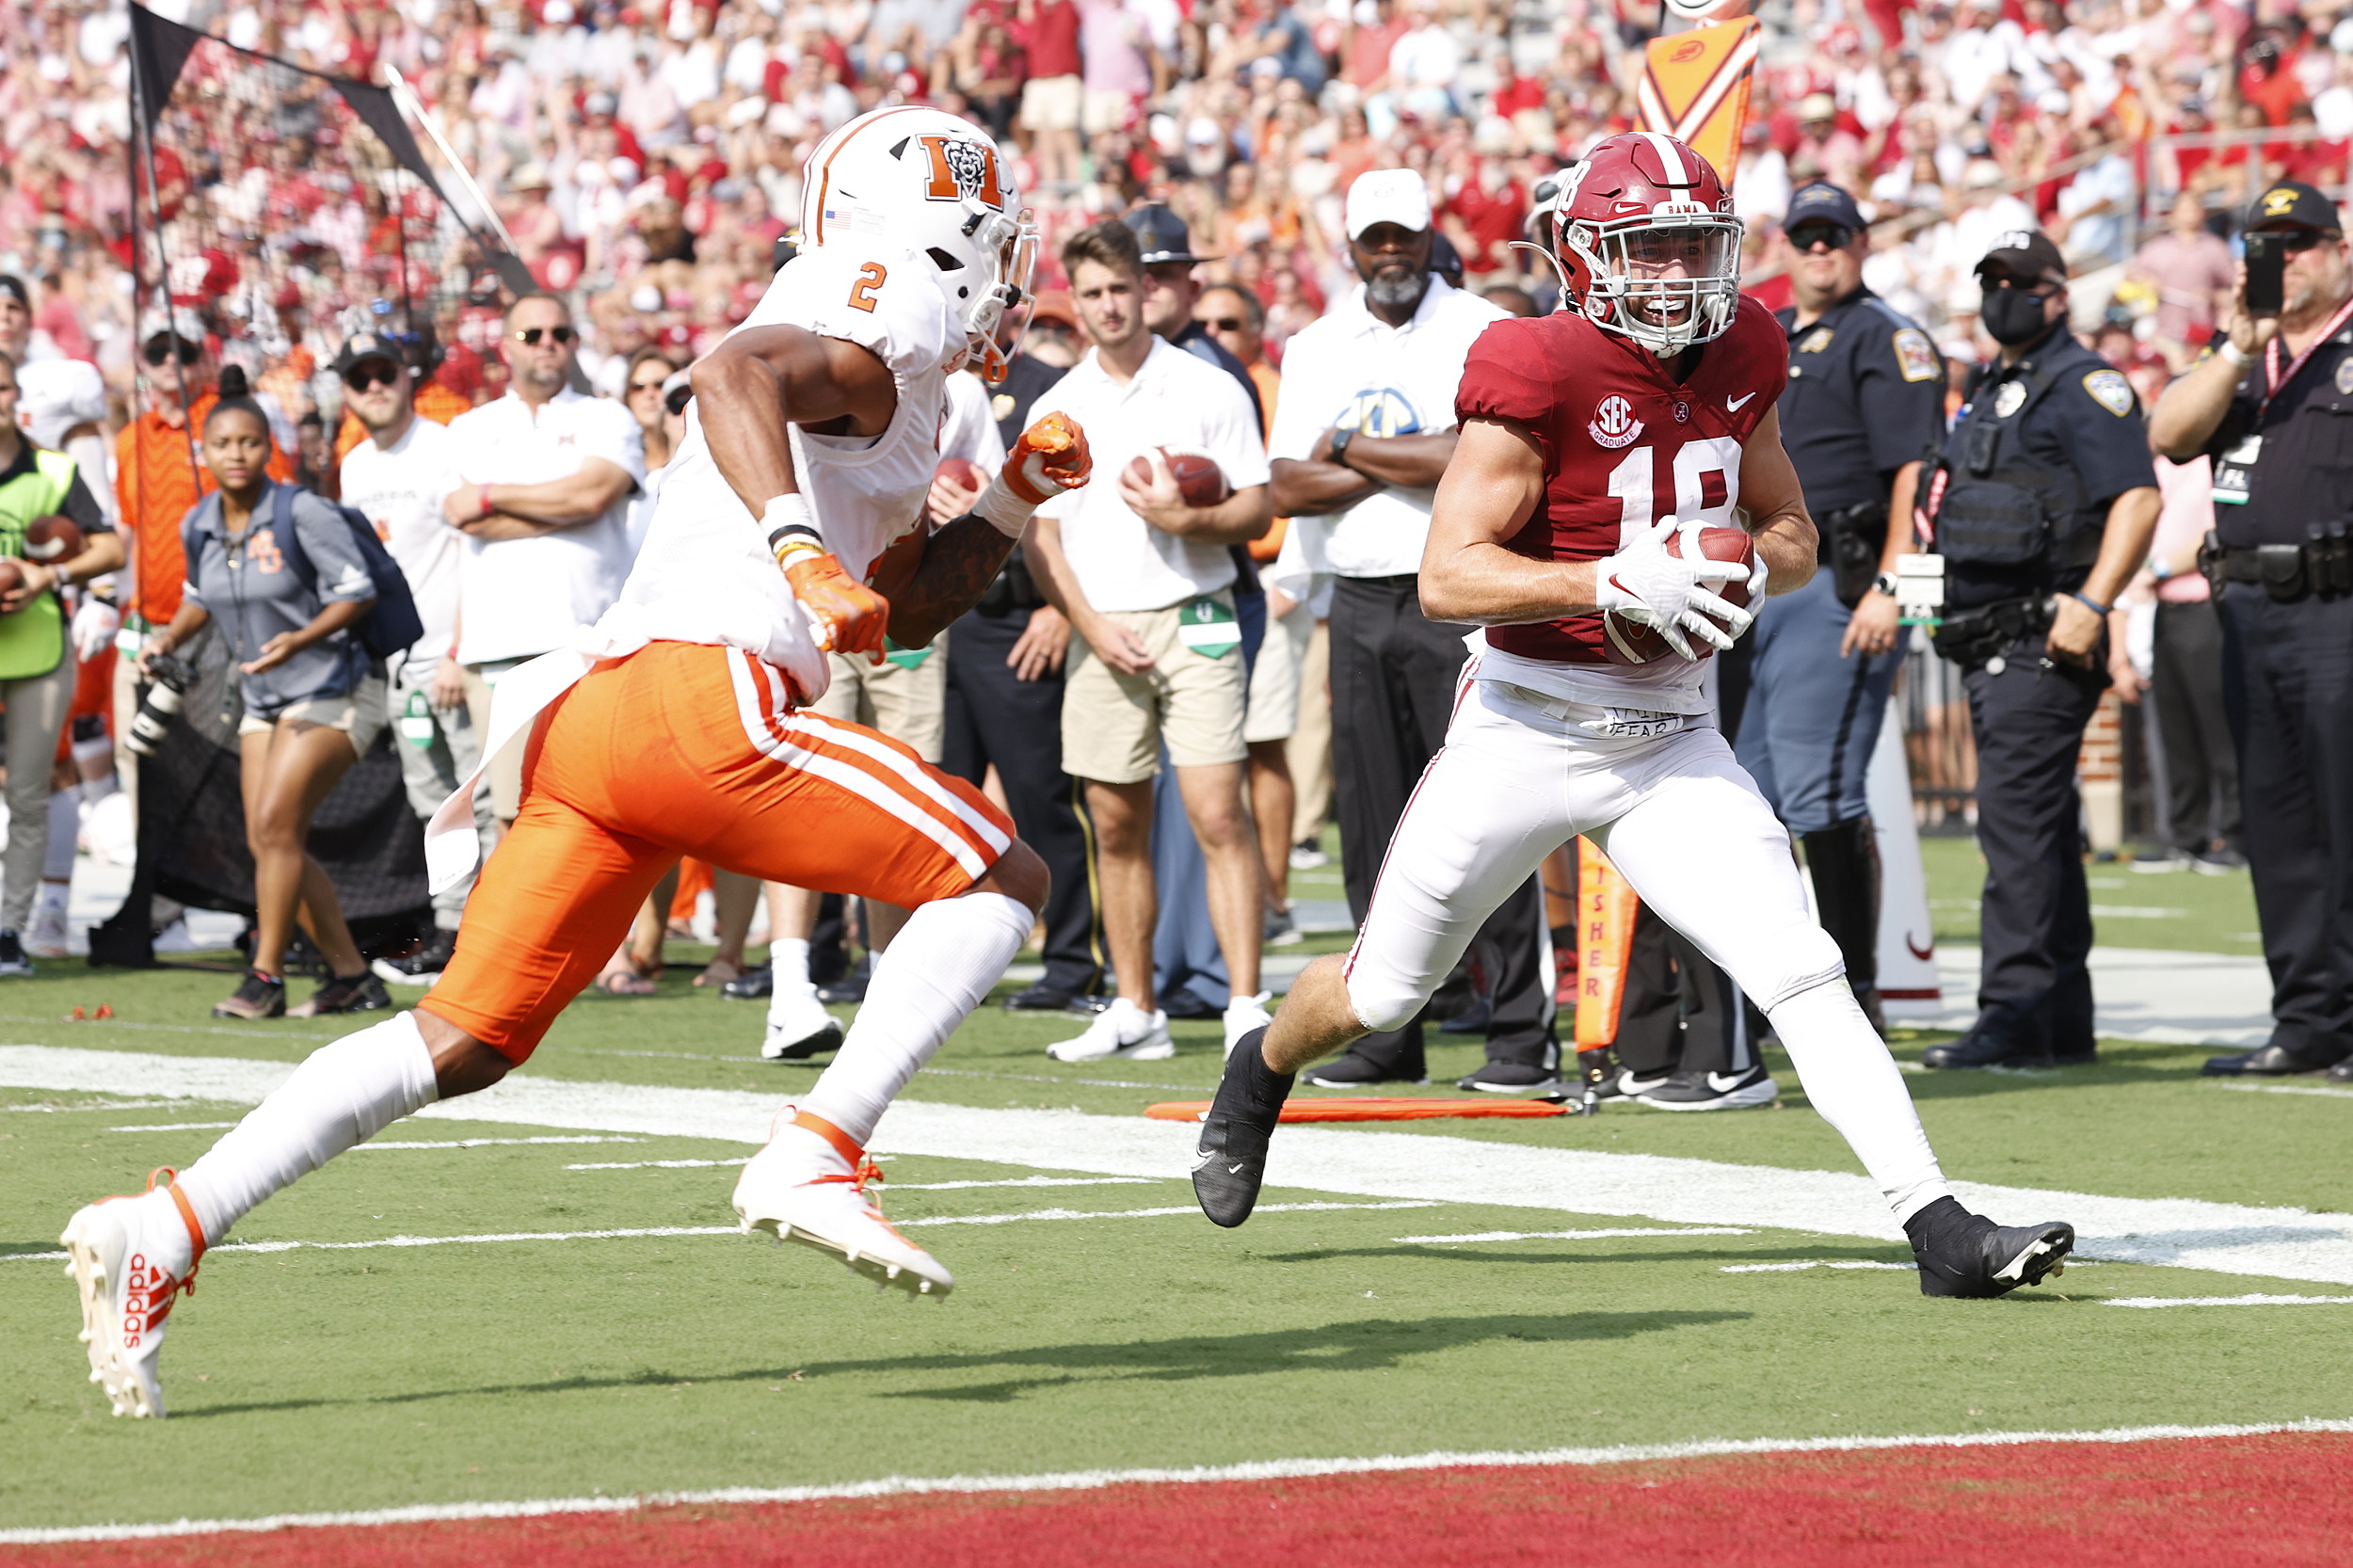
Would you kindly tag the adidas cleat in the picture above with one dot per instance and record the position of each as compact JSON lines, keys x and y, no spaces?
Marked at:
{"x":1962,"y":1254}
{"x":808,"y":1184}
{"x":130,"y":1257}
{"x":1229,"y":1166}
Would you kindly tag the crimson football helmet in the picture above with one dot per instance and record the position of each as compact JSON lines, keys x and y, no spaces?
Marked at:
{"x":1646,"y":238}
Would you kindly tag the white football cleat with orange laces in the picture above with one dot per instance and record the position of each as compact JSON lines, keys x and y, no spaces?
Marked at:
{"x":808,"y":1184}
{"x":131,"y":1257}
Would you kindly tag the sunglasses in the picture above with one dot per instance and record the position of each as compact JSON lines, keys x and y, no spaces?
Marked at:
{"x":371,"y":373}
{"x":2295,"y":242}
{"x":1224,"y":324}
{"x":636,"y":387}
{"x":678,"y":400}
{"x":1836,"y":235}
{"x":529,"y":336}
{"x":157,"y":352}
{"x":2041,"y":288}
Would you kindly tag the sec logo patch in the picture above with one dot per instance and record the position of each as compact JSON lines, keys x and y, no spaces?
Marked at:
{"x":1613,"y":424}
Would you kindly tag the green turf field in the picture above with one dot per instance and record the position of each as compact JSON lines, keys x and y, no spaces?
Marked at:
{"x":2184,"y":910}
{"x":316,"y":1380}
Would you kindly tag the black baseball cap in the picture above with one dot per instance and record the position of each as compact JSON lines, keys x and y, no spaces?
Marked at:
{"x":2025,"y":253}
{"x":2292,"y":204}
{"x":1819,"y":202}
{"x":14,"y":286}
{"x":362,"y":346}
{"x":1162,"y":235}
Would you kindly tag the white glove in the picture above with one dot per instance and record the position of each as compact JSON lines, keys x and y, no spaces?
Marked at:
{"x":94,"y":627}
{"x":1649,"y":587}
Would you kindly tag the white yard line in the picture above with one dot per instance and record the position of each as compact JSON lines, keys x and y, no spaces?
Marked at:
{"x":1567,"y":1235}
{"x":658,"y":1165}
{"x":2228,"y":1301}
{"x":2321,"y":1090}
{"x":2235,"y":1238}
{"x":1088,"y":1480}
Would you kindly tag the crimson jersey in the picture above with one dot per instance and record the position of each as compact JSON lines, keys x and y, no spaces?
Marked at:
{"x":1625,"y":443}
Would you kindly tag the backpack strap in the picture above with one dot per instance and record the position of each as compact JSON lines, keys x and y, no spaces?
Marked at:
{"x":192,"y":529}
{"x":282,"y":523}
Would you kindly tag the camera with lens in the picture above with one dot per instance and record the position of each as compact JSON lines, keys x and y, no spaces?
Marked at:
{"x":170,"y":679}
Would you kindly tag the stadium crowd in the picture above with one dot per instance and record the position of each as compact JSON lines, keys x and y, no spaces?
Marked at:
{"x":646,"y":160}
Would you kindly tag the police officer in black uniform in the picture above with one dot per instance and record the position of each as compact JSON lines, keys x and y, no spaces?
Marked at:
{"x":1005,"y":661}
{"x":2274,"y":408}
{"x":1864,"y":403}
{"x":2044,"y":500}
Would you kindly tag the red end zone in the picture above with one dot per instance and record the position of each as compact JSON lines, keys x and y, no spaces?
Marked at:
{"x":2250,"y":1502}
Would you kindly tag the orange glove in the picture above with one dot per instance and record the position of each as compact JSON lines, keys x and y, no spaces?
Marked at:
{"x":1051,"y":457}
{"x":849,"y":616}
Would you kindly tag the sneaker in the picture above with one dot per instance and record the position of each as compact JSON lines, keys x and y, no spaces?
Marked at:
{"x":1244,"y":1014}
{"x":798,"y":1026}
{"x":1702,"y":1090}
{"x":1962,"y":1254}
{"x":174,"y":937}
{"x":1308,"y":857}
{"x":1229,"y":1166}
{"x":1040,"y":998}
{"x":1626,"y":1083}
{"x":13,"y":962}
{"x":345,"y":993}
{"x":421,"y":968}
{"x":1349,"y":1070}
{"x":808,"y":1184}
{"x":850,"y":990}
{"x":2166,"y":859}
{"x":257,"y":996}
{"x":1280,"y":931}
{"x":2218,"y":862}
{"x":1513,"y":1077}
{"x":131,"y":1258}
{"x":1123,"y":1029}
{"x":49,"y":934}
{"x":752,"y":984}
{"x":1183,"y":1001}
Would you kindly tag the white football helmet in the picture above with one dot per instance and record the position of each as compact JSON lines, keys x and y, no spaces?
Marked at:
{"x":924,"y":180}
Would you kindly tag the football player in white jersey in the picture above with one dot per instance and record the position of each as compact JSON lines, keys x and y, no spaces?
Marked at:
{"x":791,"y":525}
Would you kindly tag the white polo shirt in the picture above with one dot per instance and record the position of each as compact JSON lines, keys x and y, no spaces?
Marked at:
{"x":1174,"y":399}
{"x":400,"y":488}
{"x":521,"y":598}
{"x":1351,"y":371}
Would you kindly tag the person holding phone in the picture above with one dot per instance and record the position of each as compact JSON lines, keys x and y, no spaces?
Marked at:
{"x":2272,"y":404}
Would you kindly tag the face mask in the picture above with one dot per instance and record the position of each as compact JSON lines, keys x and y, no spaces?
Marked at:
{"x":2012,"y":316}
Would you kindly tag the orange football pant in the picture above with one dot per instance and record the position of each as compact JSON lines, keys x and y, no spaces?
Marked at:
{"x":683,"y":749}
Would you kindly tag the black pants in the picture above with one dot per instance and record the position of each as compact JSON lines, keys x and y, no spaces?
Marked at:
{"x":2201,"y":761}
{"x":995,"y":717}
{"x":2287,"y":685}
{"x":2035,"y":920}
{"x":1680,"y":1011}
{"x":1393,"y":681}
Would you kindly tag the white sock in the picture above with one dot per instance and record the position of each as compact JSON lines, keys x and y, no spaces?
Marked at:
{"x":65,"y":828}
{"x":55,"y":896}
{"x":791,"y":957}
{"x":1849,"y":1078}
{"x":341,"y":1094}
{"x":937,"y":969}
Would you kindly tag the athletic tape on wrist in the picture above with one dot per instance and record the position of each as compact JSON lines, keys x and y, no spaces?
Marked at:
{"x":1004,"y":511}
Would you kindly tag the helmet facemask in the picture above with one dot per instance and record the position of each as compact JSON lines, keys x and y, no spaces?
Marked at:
{"x":1008,"y":247}
{"x":1667,"y":279}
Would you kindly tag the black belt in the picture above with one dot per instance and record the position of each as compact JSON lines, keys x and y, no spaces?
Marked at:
{"x":1970,"y":637}
{"x":2322,"y":565}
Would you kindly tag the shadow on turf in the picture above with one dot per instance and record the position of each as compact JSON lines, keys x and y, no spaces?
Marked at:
{"x":1510,"y":1252}
{"x":1352,"y":1346}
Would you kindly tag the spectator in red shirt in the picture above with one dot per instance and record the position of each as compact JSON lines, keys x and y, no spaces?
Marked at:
{"x":1051,"y":97}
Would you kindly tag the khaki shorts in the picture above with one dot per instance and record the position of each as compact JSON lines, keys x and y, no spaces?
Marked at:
{"x":1112,"y":724}
{"x":1106,"y":111}
{"x":503,"y":771}
{"x":1273,"y":712}
{"x":1051,"y":104}
{"x":359,"y":714}
{"x":909,"y":706}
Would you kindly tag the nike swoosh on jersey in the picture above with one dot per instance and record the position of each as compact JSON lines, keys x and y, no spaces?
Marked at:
{"x":1734,"y":405}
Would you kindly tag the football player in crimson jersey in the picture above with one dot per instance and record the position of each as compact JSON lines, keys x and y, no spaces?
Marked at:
{"x":1646,"y":405}
{"x":791,"y":523}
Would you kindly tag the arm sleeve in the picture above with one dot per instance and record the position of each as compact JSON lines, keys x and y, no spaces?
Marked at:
{"x":326,"y":538}
{"x":1903,"y":409}
{"x":83,"y":508}
{"x":1503,"y":379}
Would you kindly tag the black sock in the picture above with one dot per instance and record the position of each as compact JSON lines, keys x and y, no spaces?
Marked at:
{"x":1250,"y":1088}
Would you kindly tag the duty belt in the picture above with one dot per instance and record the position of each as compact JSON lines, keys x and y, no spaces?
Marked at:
{"x":2322,"y":565}
{"x":1970,"y":637}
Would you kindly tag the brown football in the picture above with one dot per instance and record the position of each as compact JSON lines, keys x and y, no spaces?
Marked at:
{"x":53,"y":538}
{"x":962,"y":472}
{"x":1199,"y":479}
{"x":1624,"y":643}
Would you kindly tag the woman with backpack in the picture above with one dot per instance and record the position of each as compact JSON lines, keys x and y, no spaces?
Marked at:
{"x":279,"y":571}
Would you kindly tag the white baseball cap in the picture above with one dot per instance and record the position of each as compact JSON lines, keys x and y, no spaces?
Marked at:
{"x":1396,"y":196}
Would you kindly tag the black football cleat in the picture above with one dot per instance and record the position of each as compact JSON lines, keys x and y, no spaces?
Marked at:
{"x":1967,"y":1255}
{"x":1230,"y":1165}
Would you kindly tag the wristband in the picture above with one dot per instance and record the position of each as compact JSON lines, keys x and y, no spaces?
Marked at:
{"x":482,"y":503}
{"x":791,"y":527}
{"x":2238,"y":358}
{"x":2090,"y":603}
{"x":1340,"y":447}
{"x":1003,"y":510}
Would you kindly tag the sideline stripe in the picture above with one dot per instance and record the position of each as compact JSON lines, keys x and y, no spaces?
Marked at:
{"x":2321,"y":1090}
{"x":2228,"y":1301}
{"x":1084,"y":1480}
{"x":395,"y":1144}
{"x":726,"y":1230}
{"x":1815,"y":1263}
{"x":2270,"y":1244}
{"x":1568,"y":1235}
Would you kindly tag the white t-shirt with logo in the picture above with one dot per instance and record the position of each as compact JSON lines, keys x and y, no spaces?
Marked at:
{"x":400,"y":488}
{"x":1351,"y":371}
{"x":1174,"y":399}
{"x":521,"y":598}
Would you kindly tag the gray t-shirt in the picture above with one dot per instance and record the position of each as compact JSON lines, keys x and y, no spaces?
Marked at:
{"x":253,"y":592}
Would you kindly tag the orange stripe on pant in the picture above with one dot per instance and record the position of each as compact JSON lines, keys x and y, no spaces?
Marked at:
{"x":683,"y":749}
